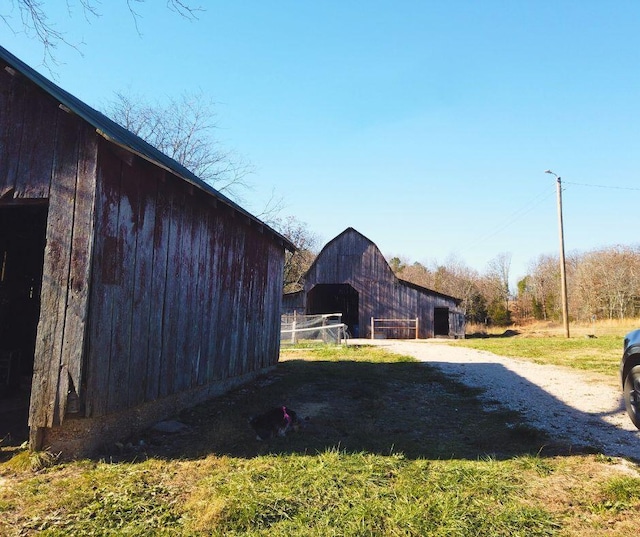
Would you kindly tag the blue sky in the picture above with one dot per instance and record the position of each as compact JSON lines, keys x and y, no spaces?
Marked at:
{"x":425,"y":125}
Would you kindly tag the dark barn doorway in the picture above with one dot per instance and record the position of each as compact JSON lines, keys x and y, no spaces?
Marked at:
{"x":22,"y":241}
{"x":441,"y":321}
{"x":336,"y":298}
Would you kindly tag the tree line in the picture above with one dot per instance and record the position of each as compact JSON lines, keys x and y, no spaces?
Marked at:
{"x":601,"y":284}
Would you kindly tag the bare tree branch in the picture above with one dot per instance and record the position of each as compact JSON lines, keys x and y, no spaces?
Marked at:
{"x":297,"y":263}
{"x":184,"y":9}
{"x":34,"y":20}
{"x":184,"y":129}
{"x":272,"y":208}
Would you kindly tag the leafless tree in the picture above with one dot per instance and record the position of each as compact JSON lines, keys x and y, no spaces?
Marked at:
{"x":499,"y":268}
{"x":453,"y":278}
{"x":497,"y":287}
{"x":606,"y":283}
{"x":297,"y":263}
{"x":33,"y":18}
{"x":543,"y":285}
{"x":183,"y":129}
{"x":412,"y":272}
{"x":603,"y":283}
{"x":457,"y":279}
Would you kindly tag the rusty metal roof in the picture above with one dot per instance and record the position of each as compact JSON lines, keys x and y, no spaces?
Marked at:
{"x":120,"y":136}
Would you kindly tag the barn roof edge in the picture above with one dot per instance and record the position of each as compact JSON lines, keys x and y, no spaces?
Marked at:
{"x":407,"y":283}
{"x":458,"y":301}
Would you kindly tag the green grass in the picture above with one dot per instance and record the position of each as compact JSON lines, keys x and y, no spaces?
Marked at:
{"x":393,"y":448}
{"x":330,"y":493}
{"x":600,"y":355}
{"x":337,"y":493}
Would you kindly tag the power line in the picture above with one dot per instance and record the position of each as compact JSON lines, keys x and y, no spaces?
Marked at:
{"x":530,"y":206}
{"x":602,"y":186}
{"x":507,"y":222}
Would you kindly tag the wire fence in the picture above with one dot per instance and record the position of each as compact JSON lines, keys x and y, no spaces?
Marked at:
{"x":323,"y":328}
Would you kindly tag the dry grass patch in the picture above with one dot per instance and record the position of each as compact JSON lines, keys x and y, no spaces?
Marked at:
{"x":600,"y":354}
{"x":589,"y":495}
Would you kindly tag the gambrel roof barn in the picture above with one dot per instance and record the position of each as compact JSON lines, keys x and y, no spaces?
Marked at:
{"x":352,"y":277}
{"x":129,"y":288}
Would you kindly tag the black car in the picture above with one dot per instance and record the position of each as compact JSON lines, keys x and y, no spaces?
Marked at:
{"x":630,"y":375}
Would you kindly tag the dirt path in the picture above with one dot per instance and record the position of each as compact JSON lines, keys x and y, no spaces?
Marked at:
{"x":585,"y":409}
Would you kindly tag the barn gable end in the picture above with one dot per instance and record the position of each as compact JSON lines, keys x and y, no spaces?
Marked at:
{"x":154,"y":291}
{"x":351,"y":276}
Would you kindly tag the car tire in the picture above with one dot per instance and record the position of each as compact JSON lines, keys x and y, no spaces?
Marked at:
{"x":632,"y":395}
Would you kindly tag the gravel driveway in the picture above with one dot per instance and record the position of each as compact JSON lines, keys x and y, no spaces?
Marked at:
{"x":584,"y":409}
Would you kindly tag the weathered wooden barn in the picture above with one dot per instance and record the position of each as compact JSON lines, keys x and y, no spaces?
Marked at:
{"x":129,"y":288}
{"x":352,"y":277}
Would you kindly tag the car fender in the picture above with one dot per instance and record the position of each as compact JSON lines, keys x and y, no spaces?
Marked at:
{"x":630,"y":355}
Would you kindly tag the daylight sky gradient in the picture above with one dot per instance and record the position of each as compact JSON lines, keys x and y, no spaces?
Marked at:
{"x":425,"y":125}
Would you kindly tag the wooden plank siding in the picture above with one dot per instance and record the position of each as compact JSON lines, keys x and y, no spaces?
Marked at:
{"x":27,"y":138}
{"x":184,"y":304}
{"x":353,"y":259}
{"x":63,"y":300}
{"x":36,"y":146}
{"x":12,"y":109}
{"x":79,"y":271}
{"x":154,"y":285}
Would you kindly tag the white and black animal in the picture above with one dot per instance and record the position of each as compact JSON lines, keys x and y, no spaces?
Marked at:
{"x":275,"y":422}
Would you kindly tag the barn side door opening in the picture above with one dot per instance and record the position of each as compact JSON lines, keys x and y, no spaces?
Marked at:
{"x":336,"y":298}
{"x":22,"y":241}
{"x":441,"y":321}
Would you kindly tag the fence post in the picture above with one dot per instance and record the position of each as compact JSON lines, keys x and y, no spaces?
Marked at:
{"x":372,"y":329}
{"x":417,"y":321}
{"x":324,"y":332}
{"x":293,"y":329}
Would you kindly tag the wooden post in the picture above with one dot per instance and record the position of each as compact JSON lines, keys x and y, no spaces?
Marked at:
{"x":324,"y":332}
{"x":417,"y":320}
{"x":563,"y":273}
{"x":563,"y":270}
{"x":372,"y":329}
{"x":293,"y":329}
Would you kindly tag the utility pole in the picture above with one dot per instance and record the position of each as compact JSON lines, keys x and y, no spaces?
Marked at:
{"x":563,"y":267}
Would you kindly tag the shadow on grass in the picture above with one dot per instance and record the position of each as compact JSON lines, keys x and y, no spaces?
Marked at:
{"x":355,"y":406}
{"x":484,"y":335}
